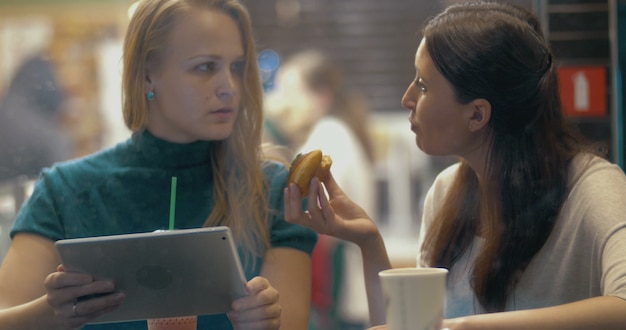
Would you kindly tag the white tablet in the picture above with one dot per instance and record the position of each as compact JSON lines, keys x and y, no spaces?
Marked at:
{"x":164,"y":274}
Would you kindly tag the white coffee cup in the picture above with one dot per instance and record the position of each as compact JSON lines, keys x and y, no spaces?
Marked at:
{"x":414,"y":297}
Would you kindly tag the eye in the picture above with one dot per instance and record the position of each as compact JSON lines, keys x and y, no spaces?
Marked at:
{"x":420,"y":84}
{"x":238,"y":67}
{"x":207,"y":67}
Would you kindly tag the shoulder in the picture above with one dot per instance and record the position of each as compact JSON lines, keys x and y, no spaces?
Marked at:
{"x":438,"y":191}
{"x":592,"y":175}
{"x":597,"y":194}
{"x":284,"y":234}
{"x":330,"y":122}
{"x":442,"y":182}
{"x":276,"y":174}
{"x":585,"y":165}
{"x":91,"y":169}
{"x":434,"y":199}
{"x":274,"y":170}
{"x":336,"y":139}
{"x":330,"y":129}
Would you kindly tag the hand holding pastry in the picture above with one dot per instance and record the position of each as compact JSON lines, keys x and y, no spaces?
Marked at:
{"x":305,"y":166}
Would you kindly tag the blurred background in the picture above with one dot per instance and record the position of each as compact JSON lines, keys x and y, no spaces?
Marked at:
{"x":370,"y":45}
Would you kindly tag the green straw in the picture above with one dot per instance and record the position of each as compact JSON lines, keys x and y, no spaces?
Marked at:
{"x":172,"y":203}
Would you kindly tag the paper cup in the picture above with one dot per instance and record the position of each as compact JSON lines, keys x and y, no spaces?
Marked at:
{"x":174,"y":323}
{"x":414,"y":297}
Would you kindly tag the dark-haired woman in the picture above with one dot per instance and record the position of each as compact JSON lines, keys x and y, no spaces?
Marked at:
{"x":531,"y":222}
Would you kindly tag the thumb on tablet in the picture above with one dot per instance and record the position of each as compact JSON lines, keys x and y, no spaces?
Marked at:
{"x":257,"y":284}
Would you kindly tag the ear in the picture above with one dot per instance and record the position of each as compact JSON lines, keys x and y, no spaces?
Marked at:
{"x":480,"y":114}
{"x":149,"y":81}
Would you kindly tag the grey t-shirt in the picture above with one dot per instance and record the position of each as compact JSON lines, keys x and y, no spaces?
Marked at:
{"x":584,"y":257}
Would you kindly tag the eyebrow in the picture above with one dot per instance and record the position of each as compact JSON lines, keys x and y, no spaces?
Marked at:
{"x":215,"y":57}
{"x":204,"y":56}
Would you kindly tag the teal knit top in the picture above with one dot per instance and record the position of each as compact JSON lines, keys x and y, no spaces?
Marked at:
{"x":126,"y":189}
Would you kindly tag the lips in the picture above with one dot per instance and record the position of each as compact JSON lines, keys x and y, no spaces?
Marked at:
{"x":225,"y":114}
{"x":225,"y":110}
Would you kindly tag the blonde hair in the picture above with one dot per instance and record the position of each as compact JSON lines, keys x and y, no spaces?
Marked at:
{"x":240,"y":187}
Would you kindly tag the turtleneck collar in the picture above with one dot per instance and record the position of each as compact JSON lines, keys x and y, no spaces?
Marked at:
{"x":170,"y":155}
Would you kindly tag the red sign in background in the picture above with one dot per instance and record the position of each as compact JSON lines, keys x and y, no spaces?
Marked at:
{"x":583,"y":90}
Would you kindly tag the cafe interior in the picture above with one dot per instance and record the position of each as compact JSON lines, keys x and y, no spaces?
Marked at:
{"x":366,"y":38}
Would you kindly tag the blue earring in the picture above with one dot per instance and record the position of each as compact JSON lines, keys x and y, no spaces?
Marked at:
{"x":150,"y":96}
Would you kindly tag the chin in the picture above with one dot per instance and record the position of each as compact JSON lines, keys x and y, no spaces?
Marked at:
{"x":215,"y":133}
{"x":420,"y":145}
{"x":215,"y":136}
{"x":427,"y":150}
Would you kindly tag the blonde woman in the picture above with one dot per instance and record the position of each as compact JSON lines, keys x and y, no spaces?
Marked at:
{"x":192,"y":97}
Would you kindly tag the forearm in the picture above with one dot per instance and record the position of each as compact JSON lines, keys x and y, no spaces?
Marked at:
{"x":295,"y":310}
{"x":32,"y":315}
{"x":375,"y":259}
{"x":604,"y":313}
{"x":289,"y":271}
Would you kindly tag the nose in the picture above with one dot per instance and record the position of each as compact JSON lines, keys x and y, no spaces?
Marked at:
{"x":226,"y":88}
{"x":408,"y":99}
{"x":225,"y":92}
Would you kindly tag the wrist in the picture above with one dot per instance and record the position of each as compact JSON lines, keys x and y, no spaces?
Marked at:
{"x":459,"y":323}
{"x":373,"y":246}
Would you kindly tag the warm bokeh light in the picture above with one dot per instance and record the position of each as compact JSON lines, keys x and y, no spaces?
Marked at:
{"x":132,"y":8}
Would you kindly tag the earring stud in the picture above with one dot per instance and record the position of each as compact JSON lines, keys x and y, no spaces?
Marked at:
{"x":150,"y":95}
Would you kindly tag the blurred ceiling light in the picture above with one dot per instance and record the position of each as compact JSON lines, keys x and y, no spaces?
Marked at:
{"x":132,"y":8}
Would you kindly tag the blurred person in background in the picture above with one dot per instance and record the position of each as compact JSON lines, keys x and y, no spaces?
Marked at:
{"x":31,"y":136}
{"x":290,"y":112}
{"x":313,"y":108}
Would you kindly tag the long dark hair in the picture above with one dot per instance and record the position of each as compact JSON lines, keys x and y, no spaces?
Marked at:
{"x":497,"y":52}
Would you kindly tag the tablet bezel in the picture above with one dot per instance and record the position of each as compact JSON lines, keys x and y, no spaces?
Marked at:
{"x":198,"y":271}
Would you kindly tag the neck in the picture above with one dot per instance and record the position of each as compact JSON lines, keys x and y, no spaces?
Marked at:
{"x":476,"y":156}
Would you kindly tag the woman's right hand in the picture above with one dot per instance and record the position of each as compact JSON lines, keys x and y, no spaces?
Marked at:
{"x":260,"y":309}
{"x":336,"y":215}
{"x":64,"y":290}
